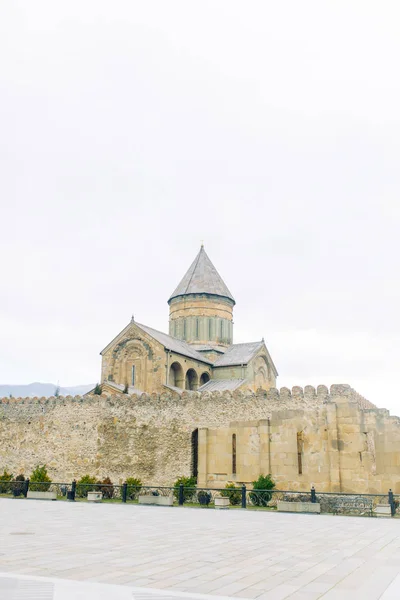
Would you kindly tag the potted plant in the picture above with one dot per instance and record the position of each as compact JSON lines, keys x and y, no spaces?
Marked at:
{"x":221,"y":502}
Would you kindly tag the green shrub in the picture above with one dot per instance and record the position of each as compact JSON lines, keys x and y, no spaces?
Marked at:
{"x":189,"y":488}
{"x":98,"y":389}
{"x":134,"y":486}
{"x":106,"y":487}
{"x":5,"y":479}
{"x":39,"y":480}
{"x":85,"y":485}
{"x":233,"y":493}
{"x":261,"y":496}
{"x":18,"y":485}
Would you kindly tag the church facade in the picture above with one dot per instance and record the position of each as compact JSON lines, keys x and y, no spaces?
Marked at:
{"x":198,"y":353}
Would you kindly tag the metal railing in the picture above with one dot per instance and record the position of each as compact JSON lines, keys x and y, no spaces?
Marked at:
{"x":239,"y":497}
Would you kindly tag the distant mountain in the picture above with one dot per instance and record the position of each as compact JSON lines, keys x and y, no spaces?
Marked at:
{"x":42,"y":390}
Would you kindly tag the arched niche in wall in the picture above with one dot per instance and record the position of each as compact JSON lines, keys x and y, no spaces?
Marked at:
{"x":261,"y":372}
{"x":129,"y":363}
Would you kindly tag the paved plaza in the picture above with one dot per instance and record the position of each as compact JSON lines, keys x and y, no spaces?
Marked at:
{"x":129,"y":551}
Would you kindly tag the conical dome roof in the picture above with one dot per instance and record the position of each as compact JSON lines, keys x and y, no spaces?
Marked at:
{"x":202,"y":278}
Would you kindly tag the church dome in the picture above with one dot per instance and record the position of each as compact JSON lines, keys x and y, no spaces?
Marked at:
{"x":201,"y":306}
{"x":202,"y":278}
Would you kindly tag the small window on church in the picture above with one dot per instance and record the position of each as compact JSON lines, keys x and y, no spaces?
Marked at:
{"x":133,"y":376}
{"x":209,"y":329}
{"x":197,"y":329}
{"x":300,"y":452}
{"x":234,"y":454}
{"x":184,"y":329}
{"x":222,"y":324}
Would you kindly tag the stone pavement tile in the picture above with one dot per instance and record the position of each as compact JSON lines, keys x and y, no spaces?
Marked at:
{"x":302,"y":595}
{"x":367,"y":588}
{"x":252,"y":579}
{"x":279,"y":593}
{"x":162,"y":584}
{"x":393,"y":591}
{"x":213,"y":583}
{"x":230,"y":589}
{"x":317,"y":586}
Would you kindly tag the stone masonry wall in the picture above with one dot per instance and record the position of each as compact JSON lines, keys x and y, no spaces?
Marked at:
{"x":150,"y":436}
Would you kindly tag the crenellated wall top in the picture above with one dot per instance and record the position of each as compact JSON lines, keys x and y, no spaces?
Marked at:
{"x":309,"y":395}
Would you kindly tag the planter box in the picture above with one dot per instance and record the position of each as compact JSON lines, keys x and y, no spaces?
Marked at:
{"x":383,"y":510}
{"x":299,"y":507}
{"x":42,"y":495}
{"x":156,"y":500}
{"x":95,"y":496}
{"x":221,"y":503}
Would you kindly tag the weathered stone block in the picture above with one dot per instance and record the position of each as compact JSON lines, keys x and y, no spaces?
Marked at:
{"x":156,"y":500}
{"x":300,"y":507}
{"x":94,"y":497}
{"x":383,"y":510}
{"x":41,"y":495}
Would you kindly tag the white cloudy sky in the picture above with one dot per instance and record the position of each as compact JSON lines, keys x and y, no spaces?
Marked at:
{"x":130,"y":131}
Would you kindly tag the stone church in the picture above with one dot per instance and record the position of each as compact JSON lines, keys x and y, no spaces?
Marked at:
{"x":198,"y":354}
{"x":191,"y":402}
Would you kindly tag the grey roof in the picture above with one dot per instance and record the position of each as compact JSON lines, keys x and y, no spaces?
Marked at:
{"x":171,"y":343}
{"x":118,"y":387}
{"x":238,"y":354}
{"x":202,"y":277}
{"x":221,"y":385}
{"x":208,"y":348}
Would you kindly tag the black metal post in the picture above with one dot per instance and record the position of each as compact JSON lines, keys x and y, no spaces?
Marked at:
{"x":124,"y":491}
{"x":391,"y":502}
{"x":313,"y":495}
{"x":181,"y":498}
{"x":73,"y":489}
{"x":26,"y":487}
{"x":243,"y":496}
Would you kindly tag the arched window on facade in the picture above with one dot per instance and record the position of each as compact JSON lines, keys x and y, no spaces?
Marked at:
{"x":204,"y":378}
{"x":192,"y":380}
{"x":176,"y":376}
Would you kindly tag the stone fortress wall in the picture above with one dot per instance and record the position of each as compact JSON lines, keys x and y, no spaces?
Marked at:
{"x":345,"y":443}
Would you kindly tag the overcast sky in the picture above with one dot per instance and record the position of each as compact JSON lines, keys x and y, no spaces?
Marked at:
{"x":130,"y":131}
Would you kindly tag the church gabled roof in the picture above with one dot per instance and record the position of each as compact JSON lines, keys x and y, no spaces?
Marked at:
{"x":241,"y":354}
{"x":173,"y":344}
{"x":169,"y":342}
{"x":202,"y":278}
